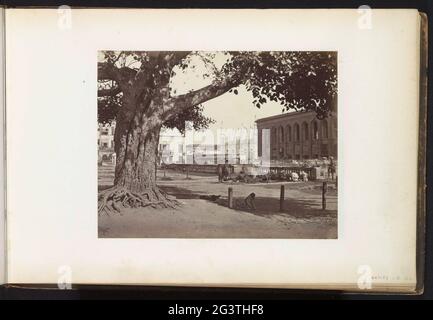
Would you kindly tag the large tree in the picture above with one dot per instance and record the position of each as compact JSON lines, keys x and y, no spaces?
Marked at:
{"x":136,"y":89}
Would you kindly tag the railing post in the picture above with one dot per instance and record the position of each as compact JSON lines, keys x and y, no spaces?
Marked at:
{"x":230,"y":198}
{"x":324,"y":190}
{"x":282,"y":198}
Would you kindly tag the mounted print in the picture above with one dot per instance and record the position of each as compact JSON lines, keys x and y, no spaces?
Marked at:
{"x":195,"y":144}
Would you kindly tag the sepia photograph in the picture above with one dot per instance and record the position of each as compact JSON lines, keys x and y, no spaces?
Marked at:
{"x":217,"y":144}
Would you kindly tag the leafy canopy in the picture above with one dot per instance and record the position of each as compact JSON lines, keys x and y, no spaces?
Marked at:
{"x":298,"y":80}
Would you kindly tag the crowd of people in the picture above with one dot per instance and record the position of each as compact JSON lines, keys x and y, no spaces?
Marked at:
{"x":226,"y":172}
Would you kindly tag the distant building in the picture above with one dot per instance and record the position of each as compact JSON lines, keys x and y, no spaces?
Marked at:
{"x":204,"y":147}
{"x":299,"y":136}
{"x":106,"y":142}
{"x":171,"y":146}
{"x":208,"y":147}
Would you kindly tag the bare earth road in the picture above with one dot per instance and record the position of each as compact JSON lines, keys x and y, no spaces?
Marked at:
{"x":302,"y":217}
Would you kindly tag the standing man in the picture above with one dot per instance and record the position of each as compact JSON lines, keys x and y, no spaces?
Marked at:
{"x":220,"y":172}
{"x":226,"y":170}
{"x":331,"y":168}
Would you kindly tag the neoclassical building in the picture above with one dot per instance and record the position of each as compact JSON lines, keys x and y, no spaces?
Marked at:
{"x":298,"y":135}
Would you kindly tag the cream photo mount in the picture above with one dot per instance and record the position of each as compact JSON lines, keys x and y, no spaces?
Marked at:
{"x":374,"y":229}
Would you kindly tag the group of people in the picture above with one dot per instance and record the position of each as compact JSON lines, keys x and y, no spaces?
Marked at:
{"x":224,"y":173}
{"x":301,"y":176}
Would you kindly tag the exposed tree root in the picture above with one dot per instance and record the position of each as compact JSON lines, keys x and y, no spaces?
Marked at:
{"x":112,"y":200}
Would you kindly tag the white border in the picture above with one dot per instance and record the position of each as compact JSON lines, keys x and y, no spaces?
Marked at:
{"x":51,"y":99}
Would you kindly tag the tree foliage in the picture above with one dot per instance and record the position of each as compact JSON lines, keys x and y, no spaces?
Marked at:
{"x":299,"y":80}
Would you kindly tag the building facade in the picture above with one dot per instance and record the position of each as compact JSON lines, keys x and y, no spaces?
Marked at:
{"x":207,"y":147}
{"x":106,"y":142}
{"x":171,"y":146}
{"x":298,"y":136}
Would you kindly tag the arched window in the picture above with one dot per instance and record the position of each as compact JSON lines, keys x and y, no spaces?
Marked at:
{"x":297,"y":132}
{"x":315,"y":131}
{"x":325,"y":129}
{"x":289,"y":133}
{"x":305,"y":131}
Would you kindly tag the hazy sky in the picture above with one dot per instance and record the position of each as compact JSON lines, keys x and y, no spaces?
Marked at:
{"x":228,"y":110}
{"x":234,"y":111}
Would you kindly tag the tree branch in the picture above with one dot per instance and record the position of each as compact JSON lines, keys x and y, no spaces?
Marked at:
{"x":191,"y":99}
{"x":107,"y":71}
{"x":109,"y":92}
{"x":178,"y":56}
{"x":157,"y":71}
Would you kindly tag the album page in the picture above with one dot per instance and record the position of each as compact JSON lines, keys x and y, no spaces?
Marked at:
{"x":261,"y":148}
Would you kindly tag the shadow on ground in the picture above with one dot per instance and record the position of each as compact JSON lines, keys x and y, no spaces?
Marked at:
{"x":314,"y":188}
{"x":181,"y":193}
{"x":267,"y":206}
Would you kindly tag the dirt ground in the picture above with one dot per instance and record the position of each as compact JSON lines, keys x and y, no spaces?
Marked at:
{"x":302,"y":217}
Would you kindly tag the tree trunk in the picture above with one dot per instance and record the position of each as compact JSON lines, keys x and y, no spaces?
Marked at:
{"x":136,"y":145}
{"x":137,"y":171}
{"x":138,"y":153}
